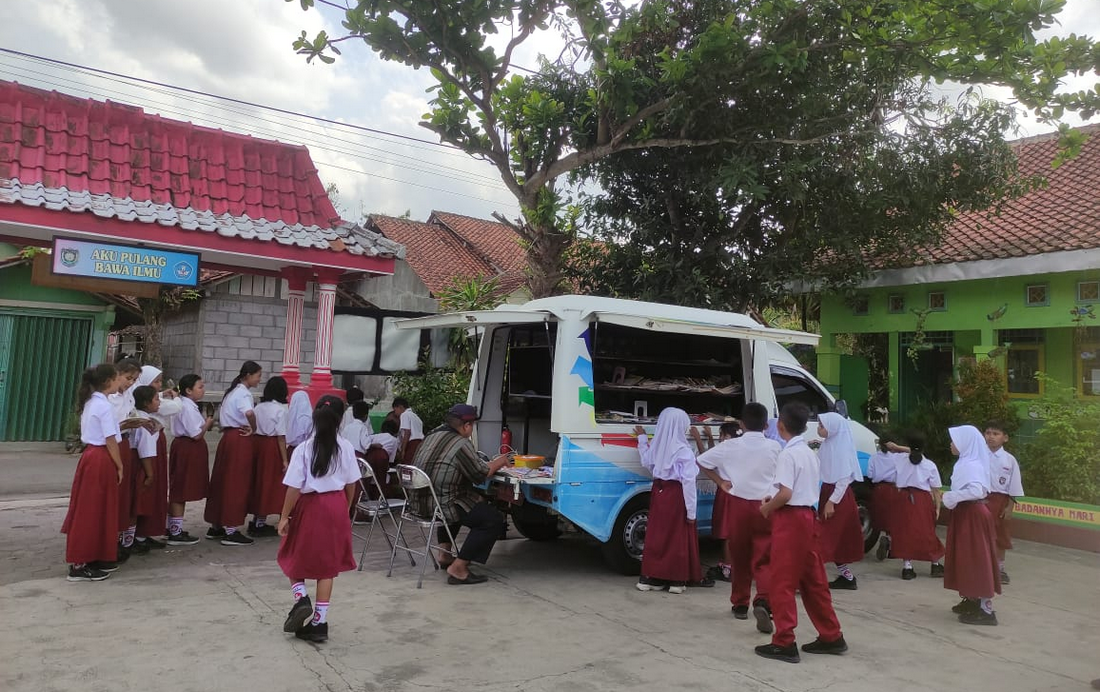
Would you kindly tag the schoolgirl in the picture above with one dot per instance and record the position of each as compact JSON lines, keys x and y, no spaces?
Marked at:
{"x":840,"y":539}
{"x":170,"y":403}
{"x":918,"y":483}
{"x":90,"y":526}
{"x":299,"y":425}
{"x":670,"y":558}
{"x":320,"y":482}
{"x":150,"y":452}
{"x":189,"y":458}
{"x":882,"y":469}
{"x":971,"y":567}
{"x":122,"y":405}
{"x":231,"y":478}
{"x":269,"y":449}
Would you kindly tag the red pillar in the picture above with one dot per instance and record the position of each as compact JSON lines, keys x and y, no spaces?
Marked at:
{"x":321,"y":381}
{"x":296,"y":278}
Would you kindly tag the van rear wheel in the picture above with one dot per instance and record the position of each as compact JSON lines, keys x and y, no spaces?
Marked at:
{"x":623,"y":551}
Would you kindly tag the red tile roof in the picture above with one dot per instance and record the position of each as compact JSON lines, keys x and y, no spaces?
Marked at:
{"x":1064,"y":215}
{"x":433,"y":252}
{"x":495,"y":241}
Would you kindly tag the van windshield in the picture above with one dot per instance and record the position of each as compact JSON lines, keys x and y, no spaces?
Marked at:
{"x":638,"y":373}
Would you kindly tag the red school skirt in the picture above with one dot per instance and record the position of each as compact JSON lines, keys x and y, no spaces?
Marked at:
{"x":671,"y":551}
{"x":884,"y":500}
{"x":997,"y":503}
{"x":231,"y":480}
{"x":718,"y":516}
{"x":840,"y":539}
{"x":268,"y":491}
{"x":318,"y":540}
{"x":970,"y":566}
{"x":188,"y":470}
{"x":151,"y":503}
{"x":126,"y":487}
{"x":914,"y":527}
{"x":91,"y":523}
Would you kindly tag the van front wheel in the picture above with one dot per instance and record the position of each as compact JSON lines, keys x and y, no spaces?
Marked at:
{"x":623,"y":552}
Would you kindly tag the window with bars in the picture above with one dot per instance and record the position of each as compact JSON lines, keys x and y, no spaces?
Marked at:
{"x":895,"y":303}
{"x":1088,"y":291}
{"x":1037,"y":295}
{"x":937,"y":300}
{"x":861,"y":306}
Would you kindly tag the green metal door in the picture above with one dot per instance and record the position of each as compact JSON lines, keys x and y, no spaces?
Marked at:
{"x":855,"y":385}
{"x":45,"y":357}
{"x":6,"y":324}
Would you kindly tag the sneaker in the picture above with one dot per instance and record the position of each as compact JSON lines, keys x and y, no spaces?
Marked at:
{"x":740,"y":612}
{"x":763,"y":615}
{"x":182,"y":538}
{"x":966,"y":605}
{"x":647,"y":584}
{"x":978,"y":617}
{"x":154,"y":544}
{"x":779,"y":653}
{"x":123,"y":554}
{"x":718,"y":573}
{"x":908,"y":573}
{"x":819,"y":646}
{"x":842,"y":584}
{"x":298,"y":615}
{"x":1004,"y":577}
{"x":937,"y":570}
{"x":265,"y":531}
{"x":103,"y":566}
{"x":883,"y":550}
{"x":313,"y":633}
{"x":237,"y":538}
{"x":678,"y":587}
{"x":704,"y":583}
{"x":215,"y":533}
{"x":86,"y":573}
{"x":139,"y":548}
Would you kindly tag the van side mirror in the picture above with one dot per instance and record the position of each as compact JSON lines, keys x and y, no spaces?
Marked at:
{"x":841,"y":407}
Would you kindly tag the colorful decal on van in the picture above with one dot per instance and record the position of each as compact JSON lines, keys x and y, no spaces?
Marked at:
{"x":593,"y":488}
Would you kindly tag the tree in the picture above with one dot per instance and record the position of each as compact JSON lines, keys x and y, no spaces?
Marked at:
{"x":775,"y":78}
{"x":154,"y":310}
{"x":465,"y":293}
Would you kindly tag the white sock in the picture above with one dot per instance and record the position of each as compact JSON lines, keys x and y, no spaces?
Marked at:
{"x":299,"y":590}
{"x":1001,"y":563}
{"x":175,"y":525}
{"x":230,"y":530}
{"x":259,"y":521}
{"x":128,"y":535}
{"x":320,"y":613}
{"x":908,"y":564}
{"x":845,"y":572}
{"x":987,"y":605}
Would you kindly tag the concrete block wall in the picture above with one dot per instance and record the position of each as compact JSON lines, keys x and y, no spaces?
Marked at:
{"x":179,"y":345}
{"x":403,"y":290}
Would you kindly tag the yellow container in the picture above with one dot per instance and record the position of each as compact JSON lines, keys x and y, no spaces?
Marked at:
{"x":530,"y":461}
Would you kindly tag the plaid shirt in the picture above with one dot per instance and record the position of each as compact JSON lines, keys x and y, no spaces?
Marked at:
{"x":451,"y":461}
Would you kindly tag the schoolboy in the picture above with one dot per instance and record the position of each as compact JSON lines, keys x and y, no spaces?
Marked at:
{"x":1005,"y":487}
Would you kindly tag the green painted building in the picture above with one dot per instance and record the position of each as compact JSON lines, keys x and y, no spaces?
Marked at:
{"x":1022,"y":287}
{"x":47,"y":337}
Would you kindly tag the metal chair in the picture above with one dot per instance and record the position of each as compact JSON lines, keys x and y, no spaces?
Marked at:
{"x":377,"y":510}
{"x":413,"y":481}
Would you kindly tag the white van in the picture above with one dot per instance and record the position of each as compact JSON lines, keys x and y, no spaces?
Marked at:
{"x":570,"y":376}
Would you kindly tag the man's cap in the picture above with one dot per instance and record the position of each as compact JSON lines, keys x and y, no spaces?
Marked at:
{"x":463,"y":412}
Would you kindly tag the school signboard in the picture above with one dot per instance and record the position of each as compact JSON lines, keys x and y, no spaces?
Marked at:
{"x":1058,"y":512}
{"x":72,"y":257}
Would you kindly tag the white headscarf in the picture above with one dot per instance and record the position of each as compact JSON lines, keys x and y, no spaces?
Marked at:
{"x":669,"y":444}
{"x":973,"y":463}
{"x":299,"y":422}
{"x":148,"y":374}
{"x":838,"y":456}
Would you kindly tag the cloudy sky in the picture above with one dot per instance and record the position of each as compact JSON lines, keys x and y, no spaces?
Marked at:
{"x":242,"y":49}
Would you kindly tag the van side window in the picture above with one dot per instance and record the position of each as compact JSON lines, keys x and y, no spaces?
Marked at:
{"x":791,"y":385}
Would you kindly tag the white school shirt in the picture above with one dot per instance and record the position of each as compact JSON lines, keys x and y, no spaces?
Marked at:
{"x":270,"y":418}
{"x":97,"y":421}
{"x":343,"y":470}
{"x":357,"y":434}
{"x":122,"y":403}
{"x":883,"y":467}
{"x":969,"y":481}
{"x":1004,"y":474}
{"x":923,"y":476}
{"x":386,"y":441}
{"x":189,"y":421}
{"x":349,"y":417}
{"x":798,"y":468}
{"x":683,"y":469}
{"x":168,"y":410}
{"x":236,"y":404}
{"x":144,"y":441}
{"x":748,"y":462}
{"x":411,"y":422}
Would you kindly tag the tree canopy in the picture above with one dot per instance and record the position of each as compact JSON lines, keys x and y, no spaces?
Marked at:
{"x":735,"y":138}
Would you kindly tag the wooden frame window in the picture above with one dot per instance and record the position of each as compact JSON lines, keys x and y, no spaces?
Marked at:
{"x":1037,"y":295}
{"x":1088,"y":291}
{"x":1022,"y":362}
{"x":1087,"y":357}
{"x":937,"y":301}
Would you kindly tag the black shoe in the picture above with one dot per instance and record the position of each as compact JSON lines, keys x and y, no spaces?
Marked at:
{"x":298,"y":615}
{"x":883,"y":550}
{"x":763,"y":615}
{"x":779,"y":653}
{"x":937,"y":570}
{"x":704,"y":583}
{"x":182,"y":538}
{"x":908,"y":573}
{"x":818,"y":646}
{"x":840,"y":583}
{"x":139,"y":548}
{"x":215,"y":533}
{"x":740,"y":612}
{"x":718,"y":574}
{"x":471,"y":578}
{"x":154,"y":544}
{"x":103,"y":566}
{"x":265,"y":531}
{"x":966,"y":605}
{"x":647,"y":584}
{"x":978,"y":617}
{"x":236,"y":538}
{"x":313,"y":633}
{"x":123,"y":554}
{"x":86,"y":573}
{"x":1004,"y":577}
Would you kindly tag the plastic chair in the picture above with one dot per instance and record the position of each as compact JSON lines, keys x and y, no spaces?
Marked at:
{"x":413,"y":481}
{"x":377,"y":510}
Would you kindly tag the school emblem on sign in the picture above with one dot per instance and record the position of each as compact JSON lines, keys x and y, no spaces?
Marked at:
{"x":70,"y":257}
{"x":183,"y":271}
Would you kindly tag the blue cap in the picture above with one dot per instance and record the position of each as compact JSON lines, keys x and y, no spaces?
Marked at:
{"x":463,"y":412}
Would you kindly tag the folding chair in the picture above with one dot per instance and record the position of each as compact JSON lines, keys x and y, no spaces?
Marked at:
{"x":377,"y":510}
{"x":413,"y":480}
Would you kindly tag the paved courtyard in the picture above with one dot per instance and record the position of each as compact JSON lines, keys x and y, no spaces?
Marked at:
{"x":209,"y":618}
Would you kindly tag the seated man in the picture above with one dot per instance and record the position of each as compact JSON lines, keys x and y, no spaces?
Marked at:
{"x":450,"y":460}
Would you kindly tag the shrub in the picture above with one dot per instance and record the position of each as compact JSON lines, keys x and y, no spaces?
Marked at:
{"x":431,"y":392}
{"x":981,"y":396}
{"x":1063,"y":460}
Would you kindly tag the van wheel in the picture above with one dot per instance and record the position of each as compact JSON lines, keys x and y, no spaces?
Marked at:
{"x":623,"y":552}
{"x":863,"y":504}
{"x":538,"y":530}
